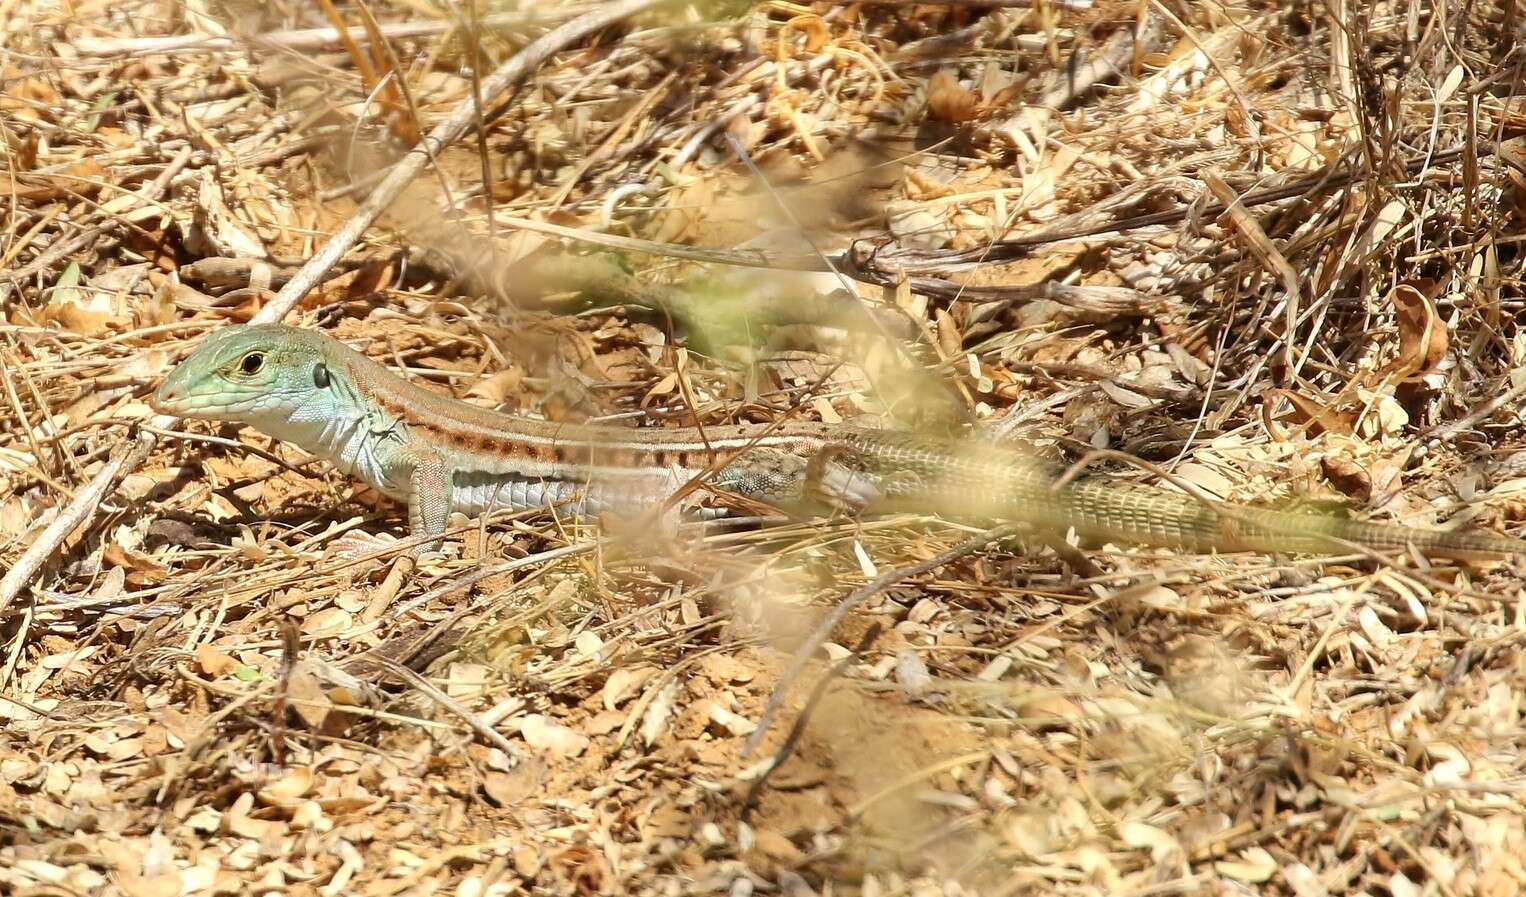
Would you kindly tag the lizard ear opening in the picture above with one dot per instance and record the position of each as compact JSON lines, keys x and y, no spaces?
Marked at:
{"x":321,"y":376}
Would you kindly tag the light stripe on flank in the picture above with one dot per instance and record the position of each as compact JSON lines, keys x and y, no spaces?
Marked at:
{"x":503,"y":443}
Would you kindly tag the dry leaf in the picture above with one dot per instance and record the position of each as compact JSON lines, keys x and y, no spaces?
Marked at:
{"x":588,"y":643}
{"x":1374,"y":628}
{"x":467,"y":681}
{"x":1384,"y":416}
{"x":86,"y":312}
{"x":493,"y":391}
{"x":212,"y":661}
{"x":215,"y":224}
{"x":655,"y":721}
{"x":734,"y":723}
{"x":1423,"y":337}
{"x":82,"y":320}
{"x":14,"y":517}
{"x":623,"y":684}
{"x":82,"y":178}
{"x":306,"y":695}
{"x":815,"y":30}
{"x":1160,"y":842}
{"x":1206,"y":478}
{"x":544,"y":734}
{"x":911,"y":673}
{"x":1347,"y":475}
{"x":1383,"y":224}
{"x":948,"y":100}
{"x":1158,"y":596}
{"x":1318,"y":417}
{"x":140,"y":568}
{"x":164,"y":884}
{"x":1128,"y":398}
{"x":1255,"y":866}
{"x":511,"y":788}
{"x":329,"y":621}
{"x":1303,"y":881}
{"x":1513,"y":153}
{"x":295,"y":782}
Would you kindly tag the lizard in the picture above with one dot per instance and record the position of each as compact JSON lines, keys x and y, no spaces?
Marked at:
{"x":437,"y":454}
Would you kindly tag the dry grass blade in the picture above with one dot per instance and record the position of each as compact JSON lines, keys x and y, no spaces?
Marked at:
{"x":1266,"y":252}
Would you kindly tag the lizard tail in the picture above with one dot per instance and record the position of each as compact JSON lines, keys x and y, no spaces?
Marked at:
{"x":1130,"y":513}
{"x":978,"y":479}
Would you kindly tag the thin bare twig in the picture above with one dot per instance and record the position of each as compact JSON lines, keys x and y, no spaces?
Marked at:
{"x":82,"y":240}
{"x":797,"y":728}
{"x":299,"y":39}
{"x":445,"y":133}
{"x":424,"y":686}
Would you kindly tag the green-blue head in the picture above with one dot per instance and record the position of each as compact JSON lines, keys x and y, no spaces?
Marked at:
{"x":252,"y":373}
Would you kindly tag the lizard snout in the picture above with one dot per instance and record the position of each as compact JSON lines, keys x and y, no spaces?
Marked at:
{"x":166,"y":397}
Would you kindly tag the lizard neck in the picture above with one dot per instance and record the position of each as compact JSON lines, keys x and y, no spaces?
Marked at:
{"x":338,"y":423}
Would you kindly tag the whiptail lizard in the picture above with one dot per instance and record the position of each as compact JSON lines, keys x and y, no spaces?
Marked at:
{"x":440,"y":455}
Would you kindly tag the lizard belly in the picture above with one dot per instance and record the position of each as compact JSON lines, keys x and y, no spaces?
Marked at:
{"x":475,"y":493}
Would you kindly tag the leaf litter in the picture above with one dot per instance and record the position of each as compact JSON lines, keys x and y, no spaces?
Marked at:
{"x":1266,"y":247}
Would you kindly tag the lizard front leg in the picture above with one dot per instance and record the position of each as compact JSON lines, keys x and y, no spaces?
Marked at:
{"x":429,"y":488}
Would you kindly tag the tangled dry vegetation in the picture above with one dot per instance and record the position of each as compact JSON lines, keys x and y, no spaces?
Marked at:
{"x":1268,"y":247}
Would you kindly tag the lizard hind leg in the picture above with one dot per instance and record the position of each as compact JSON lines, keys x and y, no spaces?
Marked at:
{"x":766,"y":474}
{"x":829,"y":479}
{"x":840,"y":478}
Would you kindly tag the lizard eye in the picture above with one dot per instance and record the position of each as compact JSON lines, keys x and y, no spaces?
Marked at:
{"x":251,"y":364}
{"x":321,"y":376}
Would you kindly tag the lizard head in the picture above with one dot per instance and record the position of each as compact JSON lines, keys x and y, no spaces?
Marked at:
{"x":248,"y":373}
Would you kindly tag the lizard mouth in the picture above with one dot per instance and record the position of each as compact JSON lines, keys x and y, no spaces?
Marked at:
{"x":217,"y":405}
{"x":168,"y":400}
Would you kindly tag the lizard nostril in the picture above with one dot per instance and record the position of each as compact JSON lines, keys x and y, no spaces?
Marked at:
{"x":164,"y":396}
